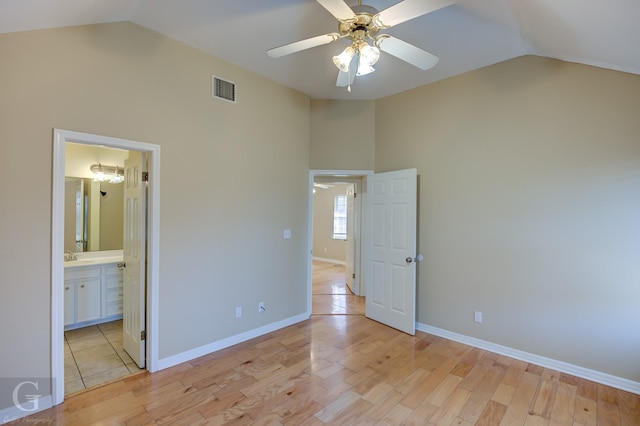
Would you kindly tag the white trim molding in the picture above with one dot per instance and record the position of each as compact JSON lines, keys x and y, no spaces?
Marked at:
{"x":563,"y":367}
{"x":14,"y":413}
{"x":192,"y":354}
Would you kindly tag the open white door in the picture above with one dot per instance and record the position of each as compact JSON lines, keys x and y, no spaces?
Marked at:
{"x":350,"y":257}
{"x":133,"y":327}
{"x":390,"y":249}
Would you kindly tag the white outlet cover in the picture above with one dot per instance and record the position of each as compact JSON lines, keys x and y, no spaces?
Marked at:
{"x":287,"y":234}
{"x":477,"y":316}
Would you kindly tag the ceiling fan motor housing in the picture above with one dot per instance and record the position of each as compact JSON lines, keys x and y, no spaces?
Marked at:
{"x":363,"y":25}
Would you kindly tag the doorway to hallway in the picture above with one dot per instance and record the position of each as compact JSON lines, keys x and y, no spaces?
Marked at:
{"x":330,"y":293}
{"x":333,"y":273}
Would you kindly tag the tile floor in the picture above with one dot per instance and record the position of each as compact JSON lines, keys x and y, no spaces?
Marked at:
{"x":94,"y":355}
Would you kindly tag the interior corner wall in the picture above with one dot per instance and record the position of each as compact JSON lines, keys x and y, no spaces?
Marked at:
{"x":342,"y":135}
{"x":529,"y":193}
{"x":221,"y":225}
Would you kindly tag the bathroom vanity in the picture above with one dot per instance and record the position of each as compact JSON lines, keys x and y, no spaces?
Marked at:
{"x":92,"y":290}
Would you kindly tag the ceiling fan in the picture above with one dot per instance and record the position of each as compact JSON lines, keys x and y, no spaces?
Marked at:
{"x":362,"y":23}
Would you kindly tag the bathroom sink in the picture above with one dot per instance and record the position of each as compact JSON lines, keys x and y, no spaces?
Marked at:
{"x":92,"y":261}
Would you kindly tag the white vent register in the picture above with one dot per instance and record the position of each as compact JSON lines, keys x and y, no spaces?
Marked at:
{"x":224,"y":90}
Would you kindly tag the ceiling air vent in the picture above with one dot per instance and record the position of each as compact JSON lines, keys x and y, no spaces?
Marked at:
{"x":223,"y":89}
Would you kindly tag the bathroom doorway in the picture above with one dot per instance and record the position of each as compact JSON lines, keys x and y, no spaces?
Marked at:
{"x":104,"y":330}
{"x":94,"y":266}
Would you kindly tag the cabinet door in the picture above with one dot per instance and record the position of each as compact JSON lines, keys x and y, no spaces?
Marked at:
{"x":88,"y":299}
{"x":69,"y":303}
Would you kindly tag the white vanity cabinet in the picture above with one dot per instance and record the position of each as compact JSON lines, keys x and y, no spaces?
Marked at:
{"x":112,"y":290}
{"x":92,"y":294}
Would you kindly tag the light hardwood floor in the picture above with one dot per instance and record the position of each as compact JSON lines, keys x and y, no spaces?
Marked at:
{"x":330,"y":294}
{"x":347,"y":369}
{"x":341,"y":369}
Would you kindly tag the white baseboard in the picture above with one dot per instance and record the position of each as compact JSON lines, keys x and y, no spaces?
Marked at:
{"x":563,"y":367}
{"x":14,"y":413}
{"x":229,"y":341}
{"x":324,"y":259}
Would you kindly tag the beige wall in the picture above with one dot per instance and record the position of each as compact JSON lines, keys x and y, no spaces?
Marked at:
{"x":111,"y":216}
{"x":342,"y":135}
{"x":529,"y":206}
{"x":324,"y":246}
{"x":124,"y":81}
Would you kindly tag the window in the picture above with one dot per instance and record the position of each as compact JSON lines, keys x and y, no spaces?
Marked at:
{"x":340,"y":217}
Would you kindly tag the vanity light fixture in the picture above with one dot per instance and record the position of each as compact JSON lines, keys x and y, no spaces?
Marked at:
{"x":117,"y":177}
{"x":104,"y":173}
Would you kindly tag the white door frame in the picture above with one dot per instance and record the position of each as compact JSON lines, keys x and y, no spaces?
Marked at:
{"x":60,"y":138}
{"x":352,"y":174}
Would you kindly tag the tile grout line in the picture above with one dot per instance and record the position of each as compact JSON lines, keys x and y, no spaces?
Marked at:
{"x":114,"y":349}
{"x":84,"y":385}
{"x":103,"y":334}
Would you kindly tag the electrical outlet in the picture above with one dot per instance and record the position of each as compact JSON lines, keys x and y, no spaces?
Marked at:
{"x":287,"y":234}
{"x":477,"y":316}
{"x":238,"y":311}
{"x":261,"y":307}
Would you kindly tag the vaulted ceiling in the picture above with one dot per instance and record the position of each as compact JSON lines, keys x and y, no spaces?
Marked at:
{"x":467,"y":35}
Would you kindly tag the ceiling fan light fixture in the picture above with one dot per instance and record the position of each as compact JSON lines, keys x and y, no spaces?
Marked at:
{"x":343,"y":60}
{"x":369,"y":55}
{"x":364,"y":69}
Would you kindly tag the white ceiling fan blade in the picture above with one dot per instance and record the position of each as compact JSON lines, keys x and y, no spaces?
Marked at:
{"x":346,"y":78}
{"x":408,"y":9}
{"x":407,"y":52}
{"x":322,"y":186}
{"x":297,"y":46}
{"x":339,"y":9}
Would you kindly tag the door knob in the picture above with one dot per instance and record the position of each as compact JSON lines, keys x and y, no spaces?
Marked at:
{"x":409,"y":259}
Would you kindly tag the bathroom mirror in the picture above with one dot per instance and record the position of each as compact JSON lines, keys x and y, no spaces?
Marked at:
{"x":93,"y":215}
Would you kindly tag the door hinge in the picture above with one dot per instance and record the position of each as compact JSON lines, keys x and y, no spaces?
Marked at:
{"x":145,"y":176}
{"x":354,"y":276}
{"x":355,"y":195}
{"x":143,"y":335}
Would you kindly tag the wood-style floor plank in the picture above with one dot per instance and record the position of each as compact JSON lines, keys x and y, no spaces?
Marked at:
{"x":347,"y":369}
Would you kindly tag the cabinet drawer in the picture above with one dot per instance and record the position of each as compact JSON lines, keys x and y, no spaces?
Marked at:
{"x":82,"y":273}
{"x":113,"y":269}
{"x":113,"y":308}
{"x":113,"y":282}
{"x":113,"y":295}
